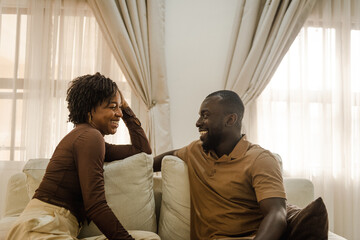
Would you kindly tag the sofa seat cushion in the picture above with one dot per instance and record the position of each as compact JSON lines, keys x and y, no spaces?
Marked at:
{"x":128,"y":191}
{"x":333,"y":236}
{"x":134,"y":233}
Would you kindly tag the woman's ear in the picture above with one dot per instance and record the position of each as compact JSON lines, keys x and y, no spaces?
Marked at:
{"x":89,"y":117}
{"x":231,"y":119}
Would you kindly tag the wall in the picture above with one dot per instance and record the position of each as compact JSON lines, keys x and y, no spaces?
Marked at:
{"x":197,"y":36}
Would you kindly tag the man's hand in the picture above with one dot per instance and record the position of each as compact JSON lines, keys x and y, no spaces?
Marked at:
{"x":274,"y":223}
{"x":158,"y":160}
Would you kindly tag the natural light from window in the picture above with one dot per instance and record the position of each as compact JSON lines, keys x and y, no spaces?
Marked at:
{"x":308,"y":100}
{"x":355,"y":109}
{"x":82,"y":52}
{"x":12,"y":65}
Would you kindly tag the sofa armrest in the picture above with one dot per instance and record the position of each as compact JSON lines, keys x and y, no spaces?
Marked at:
{"x":299,"y":191}
{"x":16,"y":195}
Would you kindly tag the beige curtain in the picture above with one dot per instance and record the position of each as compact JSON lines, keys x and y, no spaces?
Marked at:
{"x":135,"y":32}
{"x":262,"y":36}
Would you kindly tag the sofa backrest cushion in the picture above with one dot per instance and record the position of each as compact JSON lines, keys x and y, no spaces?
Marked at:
{"x":128,"y":191}
{"x":174,"y":223}
{"x":299,"y":191}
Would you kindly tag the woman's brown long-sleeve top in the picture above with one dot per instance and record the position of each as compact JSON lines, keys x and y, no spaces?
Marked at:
{"x":74,"y":176}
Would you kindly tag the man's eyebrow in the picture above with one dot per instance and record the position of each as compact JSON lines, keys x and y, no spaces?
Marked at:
{"x":204,"y":111}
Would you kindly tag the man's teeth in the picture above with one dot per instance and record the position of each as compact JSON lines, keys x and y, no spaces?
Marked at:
{"x":202,"y":133}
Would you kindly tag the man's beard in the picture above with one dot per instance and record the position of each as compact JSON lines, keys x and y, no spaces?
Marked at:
{"x":211,"y":142}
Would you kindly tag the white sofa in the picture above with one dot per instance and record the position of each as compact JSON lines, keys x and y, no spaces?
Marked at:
{"x":140,"y":199}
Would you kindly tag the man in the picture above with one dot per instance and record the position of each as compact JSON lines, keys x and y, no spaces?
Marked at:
{"x":236,"y":187}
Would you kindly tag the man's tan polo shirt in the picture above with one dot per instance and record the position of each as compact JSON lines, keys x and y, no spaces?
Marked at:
{"x":225,"y":191}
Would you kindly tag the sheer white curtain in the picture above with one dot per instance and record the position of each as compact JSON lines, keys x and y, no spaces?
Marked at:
{"x":310,"y":111}
{"x":54,"y":41}
{"x":63,"y":42}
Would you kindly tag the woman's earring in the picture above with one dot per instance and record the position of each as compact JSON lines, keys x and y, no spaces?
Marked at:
{"x":90,"y":117}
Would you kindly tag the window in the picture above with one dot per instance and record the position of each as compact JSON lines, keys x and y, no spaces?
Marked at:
{"x":314,"y":100}
{"x":12,"y":66}
{"x":43,"y":45}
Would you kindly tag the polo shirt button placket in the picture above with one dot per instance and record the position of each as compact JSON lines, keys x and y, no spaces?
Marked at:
{"x":213,"y":171}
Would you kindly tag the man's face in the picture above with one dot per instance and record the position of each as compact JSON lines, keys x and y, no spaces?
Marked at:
{"x":211,"y":122}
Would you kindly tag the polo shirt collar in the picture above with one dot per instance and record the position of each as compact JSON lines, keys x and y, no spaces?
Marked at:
{"x":240,"y":149}
{"x":238,"y":152}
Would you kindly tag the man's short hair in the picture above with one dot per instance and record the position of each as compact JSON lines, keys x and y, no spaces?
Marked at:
{"x":231,"y":101}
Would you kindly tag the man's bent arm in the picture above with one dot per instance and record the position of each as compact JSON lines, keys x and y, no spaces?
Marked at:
{"x":274,"y":223}
{"x":158,"y":159}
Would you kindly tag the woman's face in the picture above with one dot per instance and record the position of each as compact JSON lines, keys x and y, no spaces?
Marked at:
{"x":106,"y":116}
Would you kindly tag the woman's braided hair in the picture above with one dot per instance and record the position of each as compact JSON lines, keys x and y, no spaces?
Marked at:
{"x":86,"y":92}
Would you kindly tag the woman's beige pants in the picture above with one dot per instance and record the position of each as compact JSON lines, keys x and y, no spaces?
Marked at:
{"x":44,"y":221}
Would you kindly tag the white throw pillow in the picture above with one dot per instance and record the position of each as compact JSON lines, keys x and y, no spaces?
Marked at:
{"x":128,"y":191}
{"x":174,"y":221}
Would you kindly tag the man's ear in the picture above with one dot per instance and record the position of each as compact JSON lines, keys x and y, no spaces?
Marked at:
{"x":231,"y":119}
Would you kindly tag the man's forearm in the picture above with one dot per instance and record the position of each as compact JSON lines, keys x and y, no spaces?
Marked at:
{"x":272,"y":226}
{"x":158,"y":160}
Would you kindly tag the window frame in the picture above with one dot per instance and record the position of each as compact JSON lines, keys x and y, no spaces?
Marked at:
{"x":14,"y":84}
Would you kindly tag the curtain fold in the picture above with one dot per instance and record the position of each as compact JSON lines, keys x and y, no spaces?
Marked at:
{"x":263,"y":34}
{"x":134,"y":31}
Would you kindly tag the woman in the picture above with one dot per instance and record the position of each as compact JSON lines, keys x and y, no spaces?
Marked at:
{"x":72,"y":189}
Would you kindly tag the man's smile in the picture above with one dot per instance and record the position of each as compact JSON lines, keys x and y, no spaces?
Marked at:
{"x":203,"y":134}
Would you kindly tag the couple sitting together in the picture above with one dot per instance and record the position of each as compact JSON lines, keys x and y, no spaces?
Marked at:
{"x":236,"y":187}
